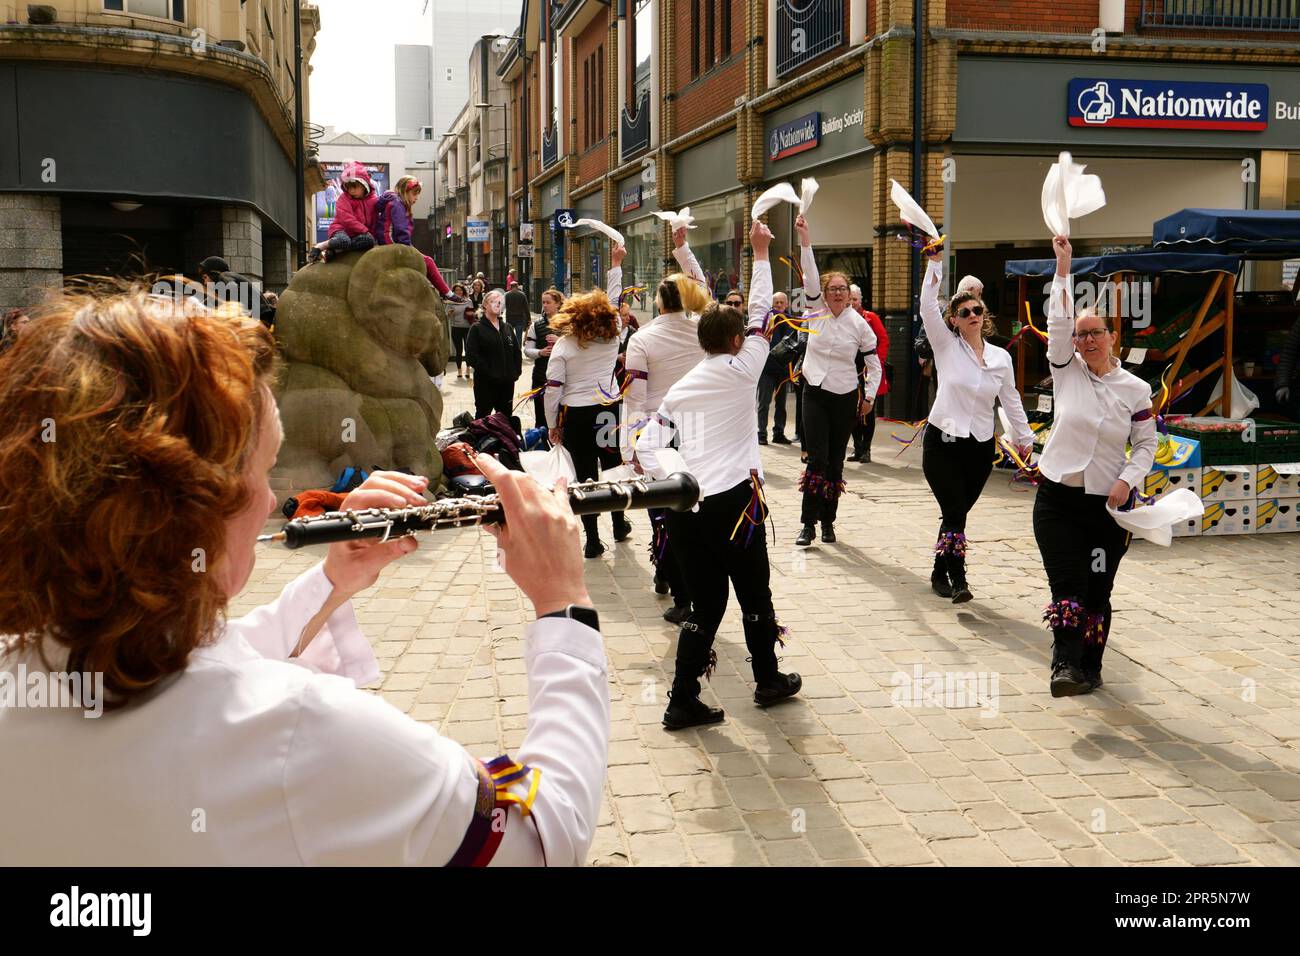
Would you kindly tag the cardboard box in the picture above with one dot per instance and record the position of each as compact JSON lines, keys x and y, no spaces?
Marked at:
{"x":1187,"y":529}
{"x":1270,"y":484}
{"x":1273,"y":515}
{"x":1229,"y":517}
{"x":1228,"y":483}
{"x":1184,"y":452}
{"x":1161,"y":481}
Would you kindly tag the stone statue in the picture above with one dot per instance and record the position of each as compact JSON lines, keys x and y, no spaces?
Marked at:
{"x":360,"y":336}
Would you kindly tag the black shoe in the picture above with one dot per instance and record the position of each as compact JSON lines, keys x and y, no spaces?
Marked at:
{"x":805,"y":536}
{"x":677,"y":613}
{"x":779,"y":688}
{"x":781,"y":440}
{"x":856,"y":456}
{"x":865,"y":457}
{"x":690,"y":712}
{"x":622,"y":529}
{"x":661,"y":583}
{"x":1068,"y":680}
{"x":828,"y":532}
{"x":961,"y":594}
{"x":594,"y":549}
{"x":939,"y":582}
{"x":957,"y":575}
{"x":1094,"y":678}
{"x":762,"y":439}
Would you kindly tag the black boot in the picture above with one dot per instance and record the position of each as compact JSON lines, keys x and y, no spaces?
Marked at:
{"x":806,"y":536}
{"x":594,"y":547}
{"x":684,"y":711}
{"x":622,"y":527}
{"x":828,"y":532}
{"x":661,"y":582}
{"x":1096,"y":631}
{"x":957,"y":575}
{"x":939,"y":582}
{"x":678,"y":613}
{"x":778,"y":688}
{"x":695,"y":659}
{"x":1068,"y":678}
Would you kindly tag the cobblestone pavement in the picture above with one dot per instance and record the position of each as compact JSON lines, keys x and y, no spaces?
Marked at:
{"x":1190,"y":754}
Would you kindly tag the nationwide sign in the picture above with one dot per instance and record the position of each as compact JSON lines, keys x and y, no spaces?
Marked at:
{"x":1154,"y":104}
{"x":630,"y":198}
{"x":794,"y":137}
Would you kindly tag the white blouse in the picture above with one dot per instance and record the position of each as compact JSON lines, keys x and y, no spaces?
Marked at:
{"x":711,"y":408}
{"x":1094,"y":418}
{"x":245,"y":758}
{"x":583,"y":374}
{"x":963,"y":407}
{"x":834,"y":341}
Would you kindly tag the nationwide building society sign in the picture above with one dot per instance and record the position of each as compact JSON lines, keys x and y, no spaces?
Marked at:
{"x":1155,"y":104}
{"x":805,"y":133}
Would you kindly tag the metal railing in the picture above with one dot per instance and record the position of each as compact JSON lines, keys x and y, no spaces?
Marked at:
{"x":805,"y":29}
{"x":550,"y":146}
{"x":1274,"y":15}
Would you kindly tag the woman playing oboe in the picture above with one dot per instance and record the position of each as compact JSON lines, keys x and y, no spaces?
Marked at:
{"x":1098,"y":410}
{"x":835,"y":396}
{"x":243,"y":741}
{"x":957,"y":450}
{"x":582,"y":401}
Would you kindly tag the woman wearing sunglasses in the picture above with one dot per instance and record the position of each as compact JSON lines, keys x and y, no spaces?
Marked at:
{"x":957,"y":451}
{"x":835,"y":396}
{"x":1099,"y":411}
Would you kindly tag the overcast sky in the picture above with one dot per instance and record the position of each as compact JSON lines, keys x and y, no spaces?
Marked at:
{"x":352,"y":68}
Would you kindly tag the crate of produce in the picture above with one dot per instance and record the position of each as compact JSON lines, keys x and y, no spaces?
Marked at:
{"x":1168,"y":327}
{"x":1276,"y":442}
{"x":1224,"y":441}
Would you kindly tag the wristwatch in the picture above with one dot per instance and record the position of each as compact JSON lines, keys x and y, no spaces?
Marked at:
{"x":576,"y":612}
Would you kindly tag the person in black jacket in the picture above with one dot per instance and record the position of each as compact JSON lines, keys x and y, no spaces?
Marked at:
{"x":538,"y":342}
{"x":493,"y":353}
{"x":517,"y":312}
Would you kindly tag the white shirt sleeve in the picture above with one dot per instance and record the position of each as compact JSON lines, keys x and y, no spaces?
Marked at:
{"x":658,"y":433}
{"x":366,"y":785}
{"x":812,"y":280}
{"x":871,"y":366}
{"x":614,"y":289}
{"x":1060,"y":322}
{"x":1142,"y":436}
{"x":339,"y":647}
{"x":689,"y":264}
{"x":754,"y":350}
{"x":1015,"y":409}
{"x":555,"y":372}
{"x":531,"y":347}
{"x":937,"y":330}
{"x":634,"y":400}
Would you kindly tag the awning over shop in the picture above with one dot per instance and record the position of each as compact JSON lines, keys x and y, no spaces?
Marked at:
{"x":1252,"y":233}
{"x":1141,"y":262}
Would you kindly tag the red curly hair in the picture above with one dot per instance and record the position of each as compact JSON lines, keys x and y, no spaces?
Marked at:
{"x":129,"y":420}
{"x":588,"y":317}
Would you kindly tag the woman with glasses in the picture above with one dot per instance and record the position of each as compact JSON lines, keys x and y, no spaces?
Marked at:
{"x":835,"y":395}
{"x":1098,"y":411}
{"x":957,"y":450}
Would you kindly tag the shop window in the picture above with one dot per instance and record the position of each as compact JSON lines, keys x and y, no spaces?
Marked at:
{"x":163,"y":9}
{"x":640,"y":35}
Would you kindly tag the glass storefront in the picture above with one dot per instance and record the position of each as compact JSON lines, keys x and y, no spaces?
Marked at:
{"x":718,"y":240}
{"x":642,"y":268}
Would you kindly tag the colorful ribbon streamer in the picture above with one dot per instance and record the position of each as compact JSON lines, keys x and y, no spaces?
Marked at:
{"x":917,"y":427}
{"x":506,"y":772}
{"x":755,"y":512}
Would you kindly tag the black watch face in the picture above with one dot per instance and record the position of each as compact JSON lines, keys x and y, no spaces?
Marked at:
{"x":585,"y":615}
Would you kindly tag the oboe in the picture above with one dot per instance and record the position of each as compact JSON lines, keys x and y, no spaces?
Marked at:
{"x":678,"y":492}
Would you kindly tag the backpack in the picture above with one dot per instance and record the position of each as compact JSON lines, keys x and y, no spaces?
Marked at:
{"x":784,"y":354}
{"x":348,"y":479}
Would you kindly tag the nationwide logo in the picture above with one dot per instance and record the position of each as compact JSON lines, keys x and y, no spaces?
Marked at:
{"x":630,"y":198}
{"x":1153,"y":104}
{"x":794,"y":137}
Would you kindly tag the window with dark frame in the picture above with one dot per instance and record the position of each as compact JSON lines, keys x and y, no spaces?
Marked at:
{"x":710,"y":18}
{"x":695,"y":38}
{"x":600,"y":92}
{"x":162,"y":9}
{"x":640,"y":37}
{"x":586,"y":103}
{"x":725,"y":39}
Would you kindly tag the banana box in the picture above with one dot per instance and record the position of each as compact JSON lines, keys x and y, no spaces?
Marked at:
{"x":1277,"y":481}
{"x":1175,"y":451}
{"x":1229,"y":517}
{"x":1160,"y":481}
{"x":1273,"y":515}
{"x":1228,"y":483}
{"x":1187,"y":529}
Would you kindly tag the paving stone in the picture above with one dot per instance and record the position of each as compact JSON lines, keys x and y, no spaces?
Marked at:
{"x":1198,"y":845}
{"x":898,"y":846}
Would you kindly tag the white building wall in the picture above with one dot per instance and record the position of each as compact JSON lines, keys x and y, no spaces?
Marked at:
{"x":457,"y":25}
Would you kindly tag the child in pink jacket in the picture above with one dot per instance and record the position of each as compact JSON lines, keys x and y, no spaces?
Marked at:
{"x":353,"y":227}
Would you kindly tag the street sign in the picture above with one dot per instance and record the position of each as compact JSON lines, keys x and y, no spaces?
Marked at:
{"x":525,"y":250}
{"x":478,"y":230}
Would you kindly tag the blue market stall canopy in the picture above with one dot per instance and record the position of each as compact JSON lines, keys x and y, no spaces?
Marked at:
{"x":1252,"y":233}
{"x":1141,"y":262}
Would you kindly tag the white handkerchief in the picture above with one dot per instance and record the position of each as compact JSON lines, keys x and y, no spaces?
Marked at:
{"x":781,"y":192}
{"x":1069,"y":193}
{"x":807,"y":189}
{"x":1155,"y":522}
{"x":602,"y":228}
{"x":678,"y":219}
{"x":910,"y":211}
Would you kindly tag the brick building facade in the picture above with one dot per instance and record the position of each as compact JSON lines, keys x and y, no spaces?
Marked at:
{"x":735,"y":87}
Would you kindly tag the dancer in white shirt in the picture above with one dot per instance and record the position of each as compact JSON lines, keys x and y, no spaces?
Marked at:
{"x":1097,"y":412}
{"x":582,"y":400}
{"x":244,"y":742}
{"x":957,"y":450}
{"x":657,"y":357}
{"x":711,"y":412}
{"x":835,"y":396}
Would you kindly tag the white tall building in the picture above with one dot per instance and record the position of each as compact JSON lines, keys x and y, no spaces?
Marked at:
{"x":457,"y":26}
{"x":413,"y":90}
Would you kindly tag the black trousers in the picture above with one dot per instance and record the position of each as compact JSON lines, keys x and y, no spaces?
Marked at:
{"x":1082,"y":547}
{"x":798,"y":414}
{"x":591,"y":436}
{"x":768,"y":390}
{"x":826,"y":425}
{"x":493,"y":395}
{"x":458,"y":345}
{"x":956,"y":470}
{"x":665,"y":558}
{"x":864,"y":431}
{"x":710,"y":559}
{"x":520,"y":327}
